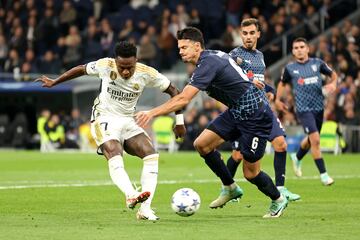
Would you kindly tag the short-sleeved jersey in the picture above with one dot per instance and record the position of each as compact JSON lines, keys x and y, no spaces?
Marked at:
{"x":118,"y":96}
{"x":307,"y":83}
{"x":252,"y":62}
{"x":219,"y":75}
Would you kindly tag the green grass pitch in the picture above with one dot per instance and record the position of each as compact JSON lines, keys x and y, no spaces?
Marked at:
{"x":70,"y":196}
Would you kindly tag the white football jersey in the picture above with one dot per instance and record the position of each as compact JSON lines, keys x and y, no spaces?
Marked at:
{"x":118,"y":96}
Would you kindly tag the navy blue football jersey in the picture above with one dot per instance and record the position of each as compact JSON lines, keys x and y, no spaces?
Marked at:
{"x":252,"y":62}
{"x":220,"y":76}
{"x":307,"y":83}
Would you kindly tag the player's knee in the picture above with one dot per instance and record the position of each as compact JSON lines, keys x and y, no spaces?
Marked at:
{"x":315,"y":141}
{"x":202,"y":148}
{"x":196,"y":145}
{"x":280,"y":145}
{"x":199,"y":147}
{"x":111,"y":148}
{"x":146,"y":151}
{"x":250,"y":173}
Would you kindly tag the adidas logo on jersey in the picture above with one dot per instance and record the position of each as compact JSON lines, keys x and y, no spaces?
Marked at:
{"x":112,"y":83}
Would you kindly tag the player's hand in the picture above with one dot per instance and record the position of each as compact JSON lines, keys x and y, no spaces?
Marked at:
{"x":179,"y":131}
{"x":46,"y":82}
{"x":143,"y":118}
{"x":282,"y":107}
{"x":259,"y":84}
{"x":330,"y":88}
{"x":270,"y":96}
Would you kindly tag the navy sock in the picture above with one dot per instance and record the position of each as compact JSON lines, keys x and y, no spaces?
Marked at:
{"x":301,"y":153}
{"x":320,"y":165}
{"x":265,"y":185}
{"x":279,"y":167}
{"x":217,"y":165}
{"x":232,"y":165}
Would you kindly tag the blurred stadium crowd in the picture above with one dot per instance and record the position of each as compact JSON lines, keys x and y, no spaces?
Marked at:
{"x":49,"y":36}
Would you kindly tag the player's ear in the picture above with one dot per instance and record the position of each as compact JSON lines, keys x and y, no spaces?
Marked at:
{"x":197,"y":45}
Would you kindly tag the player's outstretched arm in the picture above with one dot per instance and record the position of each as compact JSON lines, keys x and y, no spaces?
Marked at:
{"x":179,"y":128}
{"x":173,"y":91}
{"x":68,"y":75}
{"x":176,"y":103}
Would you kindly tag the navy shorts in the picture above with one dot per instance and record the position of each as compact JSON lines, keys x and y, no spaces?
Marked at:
{"x":276,"y":131}
{"x":252,"y":135}
{"x":311,"y":121}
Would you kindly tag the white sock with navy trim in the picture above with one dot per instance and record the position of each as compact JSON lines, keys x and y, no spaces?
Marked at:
{"x":119,"y":176}
{"x":149,"y":177}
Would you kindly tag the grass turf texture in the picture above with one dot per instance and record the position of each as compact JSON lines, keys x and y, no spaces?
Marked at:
{"x":70,"y":196}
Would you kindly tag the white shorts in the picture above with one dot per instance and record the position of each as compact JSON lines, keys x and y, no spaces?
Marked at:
{"x":106,"y":128}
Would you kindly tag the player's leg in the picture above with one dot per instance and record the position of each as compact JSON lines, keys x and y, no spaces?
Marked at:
{"x":277,"y":139}
{"x":206,"y":144}
{"x":280,"y":148}
{"x":113,"y":152}
{"x":304,"y":148}
{"x":235,"y":159}
{"x":105,"y":132}
{"x":233,"y":163}
{"x":314,"y":137}
{"x":298,"y":156}
{"x":253,"y":149}
{"x":306,"y":120}
{"x":140,"y":145}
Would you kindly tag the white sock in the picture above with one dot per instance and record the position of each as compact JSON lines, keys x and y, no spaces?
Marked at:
{"x":119,"y":176}
{"x":280,"y":199}
{"x":323,"y":174}
{"x":230,"y":187}
{"x":149,"y":177}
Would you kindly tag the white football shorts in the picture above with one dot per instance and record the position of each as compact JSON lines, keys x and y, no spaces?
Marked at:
{"x":106,"y":128}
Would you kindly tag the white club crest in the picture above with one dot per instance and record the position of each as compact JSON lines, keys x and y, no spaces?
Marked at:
{"x":314,"y":67}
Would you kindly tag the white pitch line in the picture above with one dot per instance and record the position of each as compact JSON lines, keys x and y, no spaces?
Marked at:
{"x":54,"y":184}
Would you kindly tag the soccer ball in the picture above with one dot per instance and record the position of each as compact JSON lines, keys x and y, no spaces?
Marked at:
{"x":185,"y":202}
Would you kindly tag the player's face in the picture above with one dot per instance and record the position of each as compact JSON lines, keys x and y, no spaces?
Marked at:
{"x":189,"y":50}
{"x":249,"y":36}
{"x":300,"y":51}
{"x":126,"y":66}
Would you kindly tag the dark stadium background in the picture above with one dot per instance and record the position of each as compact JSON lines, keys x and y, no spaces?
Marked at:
{"x":49,"y":36}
